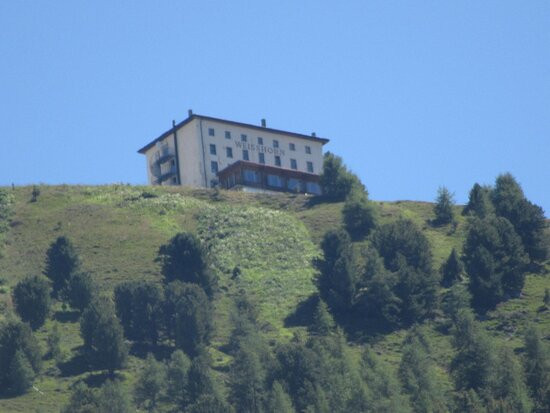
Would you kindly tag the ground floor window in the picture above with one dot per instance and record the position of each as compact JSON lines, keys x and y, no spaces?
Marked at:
{"x":275,"y":181}
{"x":251,"y":176}
{"x":313,"y":188}
{"x":293,"y":184}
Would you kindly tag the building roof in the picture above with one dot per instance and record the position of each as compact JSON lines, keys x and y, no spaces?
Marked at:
{"x":230,"y":122}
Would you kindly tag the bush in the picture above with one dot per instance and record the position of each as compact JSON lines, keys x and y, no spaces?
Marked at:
{"x":31,"y":297}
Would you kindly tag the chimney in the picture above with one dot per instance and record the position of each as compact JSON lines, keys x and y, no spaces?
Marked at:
{"x":313,"y":134}
{"x":173,"y":123}
{"x":263,"y":123}
{"x":189,"y":112}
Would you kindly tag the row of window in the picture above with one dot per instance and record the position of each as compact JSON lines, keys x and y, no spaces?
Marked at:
{"x":293,"y":163}
{"x":253,"y":177}
{"x":244,"y":138}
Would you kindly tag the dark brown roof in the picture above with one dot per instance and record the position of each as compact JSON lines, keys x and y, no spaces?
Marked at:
{"x":230,"y":122}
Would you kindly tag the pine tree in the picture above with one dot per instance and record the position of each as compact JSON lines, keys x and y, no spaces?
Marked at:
{"x":247,"y":385}
{"x":80,"y":291}
{"x":443,"y":208}
{"x":21,"y":374}
{"x":451,"y":270}
{"x":279,"y":401}
{"x":537,"y":369}
{"x":54,"y":343}
{"x":359,"y":216}
{"x":323,"y":323}
{"x":31,"y":297}
{"x":150,"y":384}
{"x":184,"y":259}
{"x":336,"y":281}
{"x":336,"y":181}
{"x":62,"y":262}
{"x":479,"y":202}
{"x":113,"y":398}
{"x":177,"y":377}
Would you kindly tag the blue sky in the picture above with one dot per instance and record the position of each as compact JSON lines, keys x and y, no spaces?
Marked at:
{"x":412,"y":94}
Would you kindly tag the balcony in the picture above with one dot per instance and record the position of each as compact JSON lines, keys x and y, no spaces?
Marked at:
{"x":167,"y":154}
{"x":167,"y":175}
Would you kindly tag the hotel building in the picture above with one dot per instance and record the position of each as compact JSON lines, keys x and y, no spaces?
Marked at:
{"x":203,"y":151}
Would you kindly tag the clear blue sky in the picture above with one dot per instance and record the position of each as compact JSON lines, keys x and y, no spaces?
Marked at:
{"x":412,"y":94}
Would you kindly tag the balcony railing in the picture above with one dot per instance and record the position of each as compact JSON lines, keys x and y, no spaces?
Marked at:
{"x":165,"y":156}
{"x":167,"y":175}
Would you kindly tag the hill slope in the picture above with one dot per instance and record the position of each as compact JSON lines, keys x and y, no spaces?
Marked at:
{"x":272,"y":239}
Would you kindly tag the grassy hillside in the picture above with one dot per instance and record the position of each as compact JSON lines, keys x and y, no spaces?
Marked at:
{"x":272,"y":239}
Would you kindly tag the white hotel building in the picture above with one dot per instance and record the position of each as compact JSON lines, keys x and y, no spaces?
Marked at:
{"x":202,"y":151}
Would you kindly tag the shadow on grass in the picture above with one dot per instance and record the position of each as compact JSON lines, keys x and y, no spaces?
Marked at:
{"x":75,"y":366}
{"x":160,"y":351}
{"x":98,"y":379}
{"x":66,"y":316}
{"x":303,"y":315}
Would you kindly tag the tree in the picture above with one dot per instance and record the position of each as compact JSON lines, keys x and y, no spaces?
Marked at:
{"x":21,"y":373}
{"x":113,"y":398}
{"x":279,"y":401}
{"x":479,"y":202}
{"x":209,"y":403}
{"x":177,"y":377}
{"x":451,"y":270}
{"x":359,"y":217}
{"x":546,"y":299}
{"x":54,"y":344}
{"x":527,"y":218}
{"x":102,"y":334}
{"x":323,"y":323}
{"x":35,"y":193}
{"x":473,"y":365}
{"x":443,"y":208}
{"x":379,"y":303}
{"x":80,"y":291}
{"x":31,"y":297}
{"x":247,"y":384}
{"x":150,"y":384}
{"x":62,"y":262}
{"x":508,"y":390}
{"x":192,"y":319}
{"x":82,"y":400}
{"x":139,"y":306}
{"x":20,"y":357}
{"x":495,"y":261}
{"x":336,"y":281}
{"x":336,"y":181}
{"x":418,"y":375}
{"x":403,"y":238}
{"x":200,"y":380}
{"x":537,"y":369}
{"x":456,"y":299}
{"x":184,"y":259}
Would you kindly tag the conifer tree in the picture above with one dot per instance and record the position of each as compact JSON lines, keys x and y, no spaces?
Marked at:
{"x":113,"y":398}
{"x":80,"y":290}
{"x":359,"y":216}
{"x":451,"y":270}
{"x":31,"y":297}
{"x":537,"y":369}
{"x":336,"y":181}
{"x":323,"y":323}
{"x":150,"y":384}
{"x":62,"y":262}
{"x":479,"y":202}
{"x":177,"y":378}
{"x":184,"y":259}
{"x":443,"y":208}
{"x":279,"y":401}
{"x":21,"y":374}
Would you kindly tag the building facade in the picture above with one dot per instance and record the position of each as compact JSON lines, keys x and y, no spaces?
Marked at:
{"x":202,"y":151}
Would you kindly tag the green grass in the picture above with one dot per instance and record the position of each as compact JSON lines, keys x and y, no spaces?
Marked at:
{"x":118,"y":229}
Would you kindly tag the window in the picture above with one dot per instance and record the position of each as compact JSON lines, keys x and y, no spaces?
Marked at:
{"x":227,"y":134}
{"x":308,"y":149}
{"x":211,"y":132}
{"x":243,"y":138}
{"x":277,"y":160}
{"x":313,"y":188}
{"x":275,"y":143}
{"x":260,"y":141}
{"x":214,"y":167}
{"x":310,"y":167}
{"x":291,"y":146}
{"x":229,"y":152}
{"x":251,"y":176}
{"x":212,"y":149}
{"x":293,"y":184}
{"x":261,"y":157}
{"x":293,"y":164}
{"x":274,"y":180}
{"x":245,"y":155}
